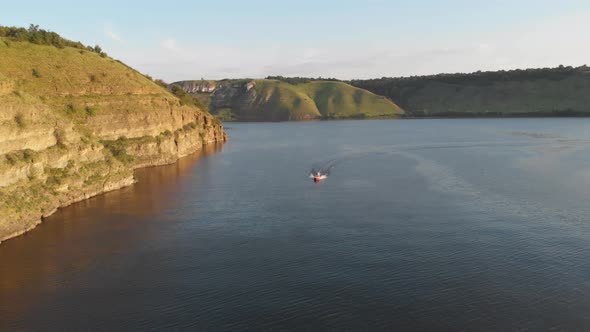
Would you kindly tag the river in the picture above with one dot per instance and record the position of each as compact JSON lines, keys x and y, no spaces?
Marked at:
{"x":432,"y":224}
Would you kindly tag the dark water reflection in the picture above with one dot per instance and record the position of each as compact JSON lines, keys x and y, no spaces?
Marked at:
{"x":478,"y":224}
{"x":49,"y":259}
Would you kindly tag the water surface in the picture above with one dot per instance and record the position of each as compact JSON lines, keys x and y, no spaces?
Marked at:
{"x":478,"y":224}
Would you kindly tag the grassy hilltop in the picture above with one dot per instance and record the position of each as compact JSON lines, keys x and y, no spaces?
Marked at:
{"x":277,"y":100}
{"x":70,"y":80}
{"x":75,"y":123}
{"x":320,"y":99}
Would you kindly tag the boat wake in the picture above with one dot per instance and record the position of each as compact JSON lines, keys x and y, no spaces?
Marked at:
{"x":318,"y":175}
{"x":321,"y":170}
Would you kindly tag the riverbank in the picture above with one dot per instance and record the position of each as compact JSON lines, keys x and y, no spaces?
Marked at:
{"x":28,"y":201}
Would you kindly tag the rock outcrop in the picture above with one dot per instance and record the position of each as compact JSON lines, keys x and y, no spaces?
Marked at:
{"x":74,"y":124}
{"x":201,"y":86}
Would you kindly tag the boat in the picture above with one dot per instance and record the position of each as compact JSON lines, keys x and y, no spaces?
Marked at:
{"x":317,"y":177}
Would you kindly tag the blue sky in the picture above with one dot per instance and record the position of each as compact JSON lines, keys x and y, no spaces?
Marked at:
{"x":345,"y":39}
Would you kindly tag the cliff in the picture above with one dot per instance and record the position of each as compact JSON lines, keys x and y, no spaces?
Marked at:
{"x":561,"y":91}
{"x":74,"y":123}
{"x":198,"y":86}
{"x":275,"y":100}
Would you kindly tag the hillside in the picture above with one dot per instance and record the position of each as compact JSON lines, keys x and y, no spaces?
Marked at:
{"x":274,"y":100}
{"x":562,"y":91}
{"x":75,"y":123}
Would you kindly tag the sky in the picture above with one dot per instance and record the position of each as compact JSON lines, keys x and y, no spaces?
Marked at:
{"x":346,"y":39}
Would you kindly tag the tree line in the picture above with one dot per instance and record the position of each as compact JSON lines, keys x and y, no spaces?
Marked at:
{"x":299,"y":80}
{"x":33,"y":34}
{"x":401,"y":89}
{"x":482,"y":77}
{"x":475,"y":78}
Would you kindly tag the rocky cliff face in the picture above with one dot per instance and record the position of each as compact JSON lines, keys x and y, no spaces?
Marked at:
{"x":238,"y":95}
{"x":201,"y":86}
{"x":67,"y":133}
{"x":49,"y":165}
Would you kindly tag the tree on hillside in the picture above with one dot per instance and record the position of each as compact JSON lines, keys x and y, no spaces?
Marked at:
{"x":33,"y":28}
{"x":35,"y":35}
{"x":98,"y":49}
{"x":186,"y":98}
{"x":298,"y":80}
{"x":161,"y":83}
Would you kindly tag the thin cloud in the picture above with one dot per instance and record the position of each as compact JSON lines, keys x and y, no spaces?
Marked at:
{"x":170,"y":44}
{"x":114,"y":36}
{"x":526,"y":45}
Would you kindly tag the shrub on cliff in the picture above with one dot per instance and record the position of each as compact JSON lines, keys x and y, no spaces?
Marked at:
{"x":26,"y":155}
{"x":186,"y":98}
{"x":60,"y":137}
{"x":118,"y":149}
{"x":91,"y":110}
{"x":161,"y":83}
{"x":19,"y":119}
{"x":97,"y":49}
{"x":179,"y":92}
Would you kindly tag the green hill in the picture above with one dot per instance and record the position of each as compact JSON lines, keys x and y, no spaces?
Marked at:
{"x":275,"y":100}
{"x":75,"y":123}
{"x":561,"y":91}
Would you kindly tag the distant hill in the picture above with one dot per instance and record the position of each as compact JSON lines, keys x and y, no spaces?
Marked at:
{"x":277,"y":100}
{"x":561,"y":91}
{"x":75,"y":123}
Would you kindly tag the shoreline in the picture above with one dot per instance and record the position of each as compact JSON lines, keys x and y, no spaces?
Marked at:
{"x":37,"y":221}
{"x":32,"y":223}
{"x":458,"y":117}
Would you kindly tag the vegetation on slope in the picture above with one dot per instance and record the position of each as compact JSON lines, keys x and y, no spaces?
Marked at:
{"x":318,"y":99}
{"x":557,"y":91}
{"x":69,"y":73}
{"x":75,"y":123}
{"x":81,"y":85}
{"x":300,"y":80}
{"x":283,"y":100}
{"x":187,"y":99}
{"x":39,"y":36}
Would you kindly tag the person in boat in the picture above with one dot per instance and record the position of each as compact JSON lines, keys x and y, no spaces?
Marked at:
{"x":317,"y":177}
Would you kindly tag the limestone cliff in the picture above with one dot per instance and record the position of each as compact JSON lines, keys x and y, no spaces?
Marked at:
{"x":75,"y":123}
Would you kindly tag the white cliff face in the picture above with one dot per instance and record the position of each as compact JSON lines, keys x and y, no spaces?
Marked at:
{"x":198,"y":86}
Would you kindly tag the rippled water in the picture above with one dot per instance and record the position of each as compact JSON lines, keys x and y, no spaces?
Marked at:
{"x":422,"y":224}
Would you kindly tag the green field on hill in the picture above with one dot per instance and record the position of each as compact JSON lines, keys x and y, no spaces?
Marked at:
{"x":275,"y":100}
